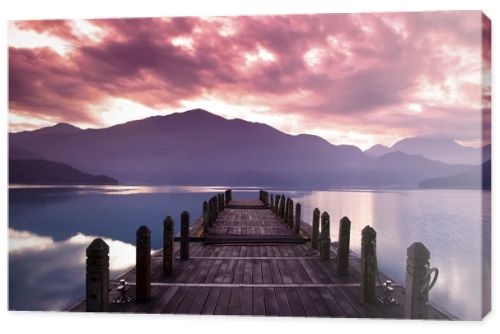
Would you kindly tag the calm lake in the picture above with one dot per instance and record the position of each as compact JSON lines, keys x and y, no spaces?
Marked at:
{"x":50,"y":227}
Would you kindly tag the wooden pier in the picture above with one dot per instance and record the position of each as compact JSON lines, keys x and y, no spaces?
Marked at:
{"x":248,"y":258}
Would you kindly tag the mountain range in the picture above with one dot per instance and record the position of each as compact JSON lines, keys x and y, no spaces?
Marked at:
{"x":435,"y":148}
{"x":200,"y":148}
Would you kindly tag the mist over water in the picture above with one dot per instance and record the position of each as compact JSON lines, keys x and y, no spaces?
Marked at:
{"x":50,"y":227}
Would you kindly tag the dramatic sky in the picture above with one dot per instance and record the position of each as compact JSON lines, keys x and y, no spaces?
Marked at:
{"x":357,"y":79}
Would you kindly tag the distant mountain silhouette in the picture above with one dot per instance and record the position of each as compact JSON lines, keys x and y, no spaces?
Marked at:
{"x":21,"y":153}
{"x":38,"y":171}
{"x":398,"y":168}
{"x":434,"y":148}
{"x":377,"y":150}
{"x":478,"y":177}
{"x":197,"y":147}
{"x":59,"y":128}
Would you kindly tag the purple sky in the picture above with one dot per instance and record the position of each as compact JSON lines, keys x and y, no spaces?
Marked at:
{"x":351,"y":78}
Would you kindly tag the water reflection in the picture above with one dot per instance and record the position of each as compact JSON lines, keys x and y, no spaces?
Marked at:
{"x":447,"y":222}
{"x":50,"y":228}
{"x":49,"y":275}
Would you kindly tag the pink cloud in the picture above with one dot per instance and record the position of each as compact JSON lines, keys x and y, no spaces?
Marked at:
{"x":361,"y":71}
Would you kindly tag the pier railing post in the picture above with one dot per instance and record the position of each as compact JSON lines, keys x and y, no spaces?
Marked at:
{"x":325,"y":240}
{"x":168,"y":245}
{"x":143,"y":264}
{"x":296,"y":226}
{"x":417,"y":281}
{"x":206,"y":222}
{"x":343,"y":247}
{"x":184,"y":235}
{"x":368,"y":265}
{"x":97,"y":277}
{"x":282,"y":206}
{"x":213,"y":213}
{"x":276,"y":203}
{"x":272,"y":203}
{"x":228,"y":196}
{"x":290,"y":214}
{"x":315,"y":229}
{"x":223,"y":201}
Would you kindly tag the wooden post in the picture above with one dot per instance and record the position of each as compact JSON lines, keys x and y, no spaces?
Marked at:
{"x":206,"y":222}
{"x":417,"y":296}
{"x":260,"y":196}
{"x":223,"y":200}
{"x":343,"y":247}
{"x":368,"y":265}
{"x":296,"y":226}
{"x":315,"y":229}
{"x":272,"y":203}
{"x":287,"y":208}
{"x":168,"y":245}
{"x":228,"y":196}
{"x":97,"y":277}
{"x":325,"y":240}
{"x":143,"y":264}
{"x":282,"y":207}
{"x":290,"y":213}
{"x":276,"y":203}
{"x":214,"y":210}
{"x":184,"y":235}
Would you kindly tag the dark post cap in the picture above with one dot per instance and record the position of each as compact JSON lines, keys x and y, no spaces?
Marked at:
{"x":368,"y":232}
{"x":418,"y":250}
{"x":143,"y":231}
{"x":168,"y":220}
{"x":345,"y":220}
{"x":97,"y":248}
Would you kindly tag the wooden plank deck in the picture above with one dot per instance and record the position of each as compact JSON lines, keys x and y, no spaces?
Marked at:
{"x":253,"y":264}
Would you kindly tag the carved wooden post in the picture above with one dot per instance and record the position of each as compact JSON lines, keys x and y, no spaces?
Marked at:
{"x":206,"y":222}
{"x":287,"y":208}
{"x":217,"y":204}
{"x":290,"y":213}
{"x":212,"y":211}
{"x":184,"y":235}
{"x":343,"y":247}
{"x":325,"y":240}
{"x":417,"y":296}
{"x":282,"y":207}
{"x":97,"y":278}
{"x":168,"y":245}
{"x":315,"y":229}
{"x":296,"y":226}
{"x":368,"y":265}
{"x":143,"y":264}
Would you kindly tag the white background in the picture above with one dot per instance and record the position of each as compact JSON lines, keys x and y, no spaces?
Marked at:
{"x":53,"y":322}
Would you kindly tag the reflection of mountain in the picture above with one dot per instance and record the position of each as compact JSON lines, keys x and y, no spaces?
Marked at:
{"x":38,"y":171}
{"x":478,"y":177}
{"x":197,"y":147}
{"x":434,"y":148}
